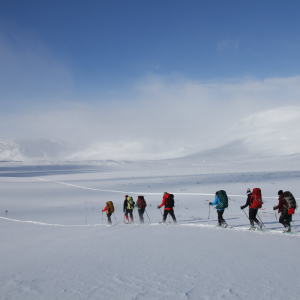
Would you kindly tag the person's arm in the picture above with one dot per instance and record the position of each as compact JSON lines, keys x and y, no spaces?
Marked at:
{"x":216,"y":201}
{"x":125,"y":205}
{"x":163,"y":202}
{"x":247,"y":202}
{"x":105,"y":209}
{"x":280,"y":204}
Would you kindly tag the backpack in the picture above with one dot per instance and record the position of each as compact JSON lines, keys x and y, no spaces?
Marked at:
{"x":290,"y":201}
{"x":170,"y":201}
{"x":256,"y":199}
{"x":130,"y":203}
{"x":223,"y":200}
{"x":110,"y":207}
{"x":141,"y":202}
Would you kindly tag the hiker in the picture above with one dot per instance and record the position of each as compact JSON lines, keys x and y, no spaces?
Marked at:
{"x":128,"y":208}
{"x":109,"y":208}
{"x":286,"y":207}
{"x":221,"y":200}
{"x":168,"y":202}
{"x":141,"y":206}
{"x":252,"y":211}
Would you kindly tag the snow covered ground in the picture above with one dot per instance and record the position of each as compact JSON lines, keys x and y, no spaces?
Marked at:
{"x":55,"y":245}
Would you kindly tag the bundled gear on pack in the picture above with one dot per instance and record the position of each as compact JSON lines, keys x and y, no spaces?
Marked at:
{"x":110,"y":207}
{"x":130,"y":203}
{"x":170,"y":201}
{"x":223,"y":200}
{"x":289,"y":202}
{"x":141,"y":202}
{"x":256,"y":199}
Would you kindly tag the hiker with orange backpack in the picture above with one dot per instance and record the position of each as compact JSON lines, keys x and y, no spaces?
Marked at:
{"x":168,"y":202}
{"x":128,"y":207}
{"x":141,"y":206}
{"x":254,"y":201}
{"x":109,"y":208}
{"x":287,"y":205}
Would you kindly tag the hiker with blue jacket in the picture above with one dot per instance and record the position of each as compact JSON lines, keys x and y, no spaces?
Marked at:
{"x":220,"y":206}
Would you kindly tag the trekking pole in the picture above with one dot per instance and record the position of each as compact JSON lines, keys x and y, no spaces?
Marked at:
{"x":102,"y":218}
{"x":208,"y":213}
{"x":275,"y":215}
{"x":261,"y":221}
{"x":147,"y":215}
{"x":115,"y":218}
{"x":245,"y":214}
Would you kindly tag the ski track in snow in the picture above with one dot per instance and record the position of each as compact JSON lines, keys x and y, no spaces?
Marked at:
{"x":142,"y":193}
{"x":206,"y":226}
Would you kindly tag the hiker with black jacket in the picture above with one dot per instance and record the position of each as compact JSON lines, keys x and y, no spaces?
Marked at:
{"x":252,"y":211}
{"x":141,"y":206}
{"x":285,"y":219}
{"x":128,"y":208}
{"x":168,"y":202}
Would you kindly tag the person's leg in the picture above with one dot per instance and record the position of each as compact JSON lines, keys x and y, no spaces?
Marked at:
{"x":171,"y":212}
{"x":131,"y":215}
{"x":109,"y":219}
{"x":283,"y":217}
{"x":220,"y":218}
{"x":126,"y":215}
{"x":165,"y":215}
{"x":141,"y":214}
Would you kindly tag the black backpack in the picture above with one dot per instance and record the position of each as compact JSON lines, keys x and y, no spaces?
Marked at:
{"x":170,"y":201}
{"x":289,"y":200}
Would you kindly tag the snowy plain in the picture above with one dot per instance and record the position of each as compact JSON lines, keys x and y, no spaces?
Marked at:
{"x":55,"y":245}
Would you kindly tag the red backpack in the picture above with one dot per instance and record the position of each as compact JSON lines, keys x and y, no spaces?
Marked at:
{"x":256,"y":200}
{"x":141,"y":203}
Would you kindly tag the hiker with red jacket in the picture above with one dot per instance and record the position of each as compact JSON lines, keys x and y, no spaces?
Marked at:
{"x":285,"y":219}
{"x":109,"y":208}
{"x":168,"y":202}
{"x":252,"y":211}
{"x":141,"y":206}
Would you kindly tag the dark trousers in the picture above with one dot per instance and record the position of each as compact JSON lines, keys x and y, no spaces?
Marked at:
{"x":129,"y":211}
{"x":285,"y":219}
{"x":171,"y":212}
{"x":141,"y":214}
{"x":108,"y":218}
{"x":252,"y":216}
{"x":220,"y":217}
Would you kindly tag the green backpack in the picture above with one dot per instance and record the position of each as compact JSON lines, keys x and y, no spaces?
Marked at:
{"x":223,"y":200}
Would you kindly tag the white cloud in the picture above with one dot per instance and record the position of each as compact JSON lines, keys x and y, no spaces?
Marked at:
{"x":228,"y":44}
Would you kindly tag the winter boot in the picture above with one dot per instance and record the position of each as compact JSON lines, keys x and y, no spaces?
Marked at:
{"x":224,"y":224}
{"x":131,"y":219}
{"x":259,"y":226}
{"x":288,"y":228}
{"x":126,"y":220}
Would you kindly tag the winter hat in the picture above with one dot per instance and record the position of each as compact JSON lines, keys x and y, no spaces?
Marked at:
{"x":248,"y":190}
{"x":165,"y":193}
{"x":280,"y":192}
{"x":126,"y":196}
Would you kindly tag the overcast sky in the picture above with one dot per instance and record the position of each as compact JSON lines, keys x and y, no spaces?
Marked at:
{"x":150,"y":71}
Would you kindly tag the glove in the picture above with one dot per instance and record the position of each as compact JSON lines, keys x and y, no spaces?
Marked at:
{"x":210,"y":203}
{"x":158,"y":207}
{"x":274,"y":207}
{"x":241,"y":207}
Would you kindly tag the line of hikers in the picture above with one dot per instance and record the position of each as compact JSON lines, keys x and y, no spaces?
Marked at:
{"x":286,"y":206}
